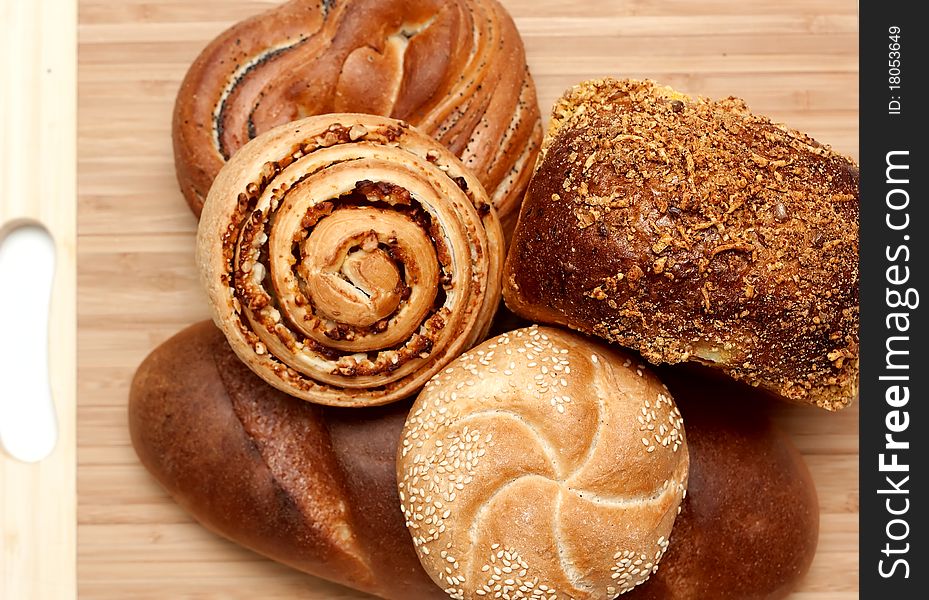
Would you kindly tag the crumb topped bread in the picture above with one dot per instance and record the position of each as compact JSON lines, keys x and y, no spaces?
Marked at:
{"x":693,"y":230}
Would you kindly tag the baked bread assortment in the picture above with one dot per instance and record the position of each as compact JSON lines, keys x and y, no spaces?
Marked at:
{"x":351,"y":162}
{"x":541,"y":465}
{"x":456,"y":69}
{"x":349,"y":257}
{"x":315,"y":487}
{"x":693,"y":230}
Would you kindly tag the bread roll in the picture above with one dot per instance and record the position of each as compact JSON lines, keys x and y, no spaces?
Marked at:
{"x":454,"y":68}
{"x":348,"y":258}
{"x":693,"y":230}
{"x":540,"y":464}
{"x":315,"y":487}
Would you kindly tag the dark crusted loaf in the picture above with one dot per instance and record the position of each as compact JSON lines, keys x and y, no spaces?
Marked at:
{"x":689,"y":229}
{"x":315,"y":487}
{"x":311,"y":487}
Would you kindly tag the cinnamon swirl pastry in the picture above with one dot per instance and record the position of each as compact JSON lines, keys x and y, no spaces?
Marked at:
{"x":349,"y":257}
{"x":456,"y":69}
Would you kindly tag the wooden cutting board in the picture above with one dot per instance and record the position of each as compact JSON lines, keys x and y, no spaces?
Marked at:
{"x":38,"y":39}
{"x":795,"y":60}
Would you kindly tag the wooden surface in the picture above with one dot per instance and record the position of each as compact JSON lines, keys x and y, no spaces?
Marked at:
{"x":795,"y":60}
{"x":37,"y":186}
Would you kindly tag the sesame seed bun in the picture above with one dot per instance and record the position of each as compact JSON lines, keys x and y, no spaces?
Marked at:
{"x":541,"y":463}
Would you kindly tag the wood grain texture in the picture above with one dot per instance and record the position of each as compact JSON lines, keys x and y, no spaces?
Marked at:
{"x":795,"y":60}
{"x":37,"y":186}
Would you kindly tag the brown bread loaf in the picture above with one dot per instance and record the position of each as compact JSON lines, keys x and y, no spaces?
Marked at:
{"x":693,"y":230}
{"x":315,"y":487}
{"x":312,"y":487}
{"x":749,"y":526}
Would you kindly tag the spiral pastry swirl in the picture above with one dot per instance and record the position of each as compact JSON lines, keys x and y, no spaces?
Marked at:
{"x":456,"y":69}
{"x":349,"y":257}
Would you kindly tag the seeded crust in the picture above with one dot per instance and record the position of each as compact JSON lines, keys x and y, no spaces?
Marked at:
{"x":454,"y":68}
{"x":541,"y":464}
{"x":692,"y":230}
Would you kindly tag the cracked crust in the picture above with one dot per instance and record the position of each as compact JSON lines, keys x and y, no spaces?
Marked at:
{"x":693,"y":230}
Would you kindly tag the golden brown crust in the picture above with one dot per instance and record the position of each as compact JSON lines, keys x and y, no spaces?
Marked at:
{"x":689,"y":229}
{"x":454,"y":68}
{"x":348,"y":258}
{"x":541,"y":463}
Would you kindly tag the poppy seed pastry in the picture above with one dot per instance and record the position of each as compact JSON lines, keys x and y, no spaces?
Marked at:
{"x":693,"y":230}
{"x":349,"y":257}
{"x":541,"y":464}
{"x":454,"y":68}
